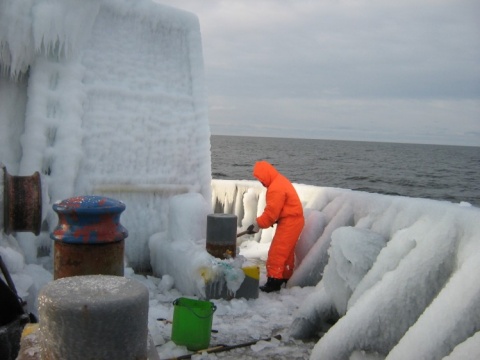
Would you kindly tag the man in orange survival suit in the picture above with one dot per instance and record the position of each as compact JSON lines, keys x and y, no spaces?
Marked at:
{"x":284,"y":208}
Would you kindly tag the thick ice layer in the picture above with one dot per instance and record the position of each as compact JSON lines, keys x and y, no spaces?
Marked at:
{"x":181,"y":251}
{"x":351,"y":256}
{"x":399,"y":278}
{"x":315,"y":222}
{"x":94,"y":317}
{"x":468,"y":350}
{"x":113,"y":103}
{"x":452,"y":317}
{"x":422,"y":280}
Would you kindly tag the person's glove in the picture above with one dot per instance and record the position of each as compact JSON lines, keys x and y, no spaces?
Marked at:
{"x":252,"y":229}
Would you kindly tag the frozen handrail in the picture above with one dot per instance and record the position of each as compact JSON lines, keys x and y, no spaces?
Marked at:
{"x":160,"y":189}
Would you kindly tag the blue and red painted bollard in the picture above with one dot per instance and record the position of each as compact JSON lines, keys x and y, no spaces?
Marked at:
{"x":89,"y":238}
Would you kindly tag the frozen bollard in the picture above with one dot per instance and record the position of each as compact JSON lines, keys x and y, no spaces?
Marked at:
{"x":93,"y":317}
{"x":89,"y":239}
{"x":22,"y":202}
{"x":222,"y":235}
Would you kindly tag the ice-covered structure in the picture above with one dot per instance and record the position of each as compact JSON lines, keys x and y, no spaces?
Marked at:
{"x":395,"y":276}
{"x":104,"y":97}
{"x":107,"y":97}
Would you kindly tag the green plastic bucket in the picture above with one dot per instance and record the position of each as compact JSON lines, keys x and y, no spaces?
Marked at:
{"x":192,"y":323}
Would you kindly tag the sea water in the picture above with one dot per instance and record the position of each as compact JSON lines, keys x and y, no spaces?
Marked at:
{"x":437,"y":172}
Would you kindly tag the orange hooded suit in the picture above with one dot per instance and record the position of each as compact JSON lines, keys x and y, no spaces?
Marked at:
{"x":284,"y":208}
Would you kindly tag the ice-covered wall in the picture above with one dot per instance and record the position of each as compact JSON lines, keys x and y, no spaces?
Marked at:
{"x":105,"y":97}
{"x":395,"y":276}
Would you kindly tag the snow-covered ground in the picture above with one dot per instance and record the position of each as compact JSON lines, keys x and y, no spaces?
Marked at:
{"x":235,"y":321}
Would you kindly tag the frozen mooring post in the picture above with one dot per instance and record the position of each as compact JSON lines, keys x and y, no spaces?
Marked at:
{"x":89,"y":238}
{"x":93,"y":317}
{"x":222,"y":243}
{"x":90,"y":311}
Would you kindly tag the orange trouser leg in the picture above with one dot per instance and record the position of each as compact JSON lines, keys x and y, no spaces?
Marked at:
{"x":289,"y":265}
{"x":281,"y":255}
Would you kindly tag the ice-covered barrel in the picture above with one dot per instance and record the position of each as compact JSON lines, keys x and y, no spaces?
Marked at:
{"x":222,"y":235}
{"x":89,"y":238}
{"x":93,"y":317}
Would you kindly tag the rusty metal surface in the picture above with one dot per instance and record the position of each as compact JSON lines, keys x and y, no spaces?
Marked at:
{"x":222,"y":251}
{"x":88,"y":259}
{"x":89,"y":219}
{"x":22,"y":203}
{"x":89,"y":239}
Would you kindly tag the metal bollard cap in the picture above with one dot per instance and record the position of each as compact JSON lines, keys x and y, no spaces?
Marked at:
{"x":89,"y":219}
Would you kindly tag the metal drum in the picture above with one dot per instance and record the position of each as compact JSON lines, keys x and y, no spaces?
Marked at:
{"x":222,"y":235}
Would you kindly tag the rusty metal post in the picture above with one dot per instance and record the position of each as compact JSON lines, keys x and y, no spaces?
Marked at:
{"x":89,"y":239}
{"x":22,"y":196}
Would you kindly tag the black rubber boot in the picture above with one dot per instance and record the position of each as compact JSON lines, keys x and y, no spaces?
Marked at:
{"x":273,"y":284}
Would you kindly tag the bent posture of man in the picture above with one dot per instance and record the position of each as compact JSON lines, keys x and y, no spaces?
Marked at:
{"x":284,"y":208}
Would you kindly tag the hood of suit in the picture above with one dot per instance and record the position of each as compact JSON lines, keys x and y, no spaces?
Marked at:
{"x":264,"y":172}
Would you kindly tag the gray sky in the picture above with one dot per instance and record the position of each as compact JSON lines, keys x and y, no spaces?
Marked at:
{"x":380,"y":70}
